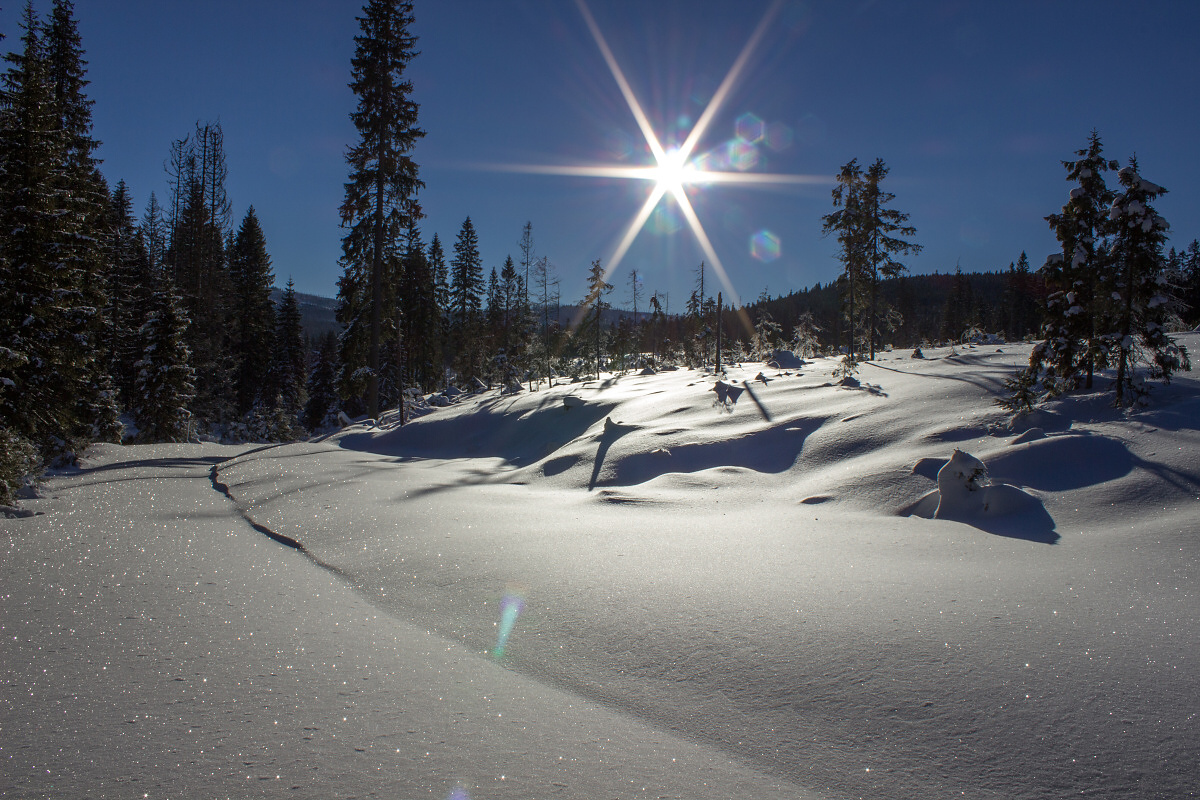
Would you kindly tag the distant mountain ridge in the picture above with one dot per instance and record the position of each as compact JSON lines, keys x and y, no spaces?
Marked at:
{"x":318,"y":315}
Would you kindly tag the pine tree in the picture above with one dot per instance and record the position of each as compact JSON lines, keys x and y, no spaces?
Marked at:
{"x":1191,"y":284}
{"x":527,"y":259}
{"x":1077,"y":305}
{"x":595,"y":305}
{"x":49,"y":353}
{"x":198,"y":264}
{"x":1078,"y":308}
{"x":288,"y":373}
{"x":380,"y":196}
{"x":1140,"y":290}
{"x":466,"y":299}
{"x":322,"y":386}
{"x":127,"y":292}
{"x":547,"y":285}
{"x":882,"y":229}
{"x":420,"y":318}
{"x":253,"y":319}
{"x":164,"y":390}
{"x":154,"y":235}
{"x":848,"y":222}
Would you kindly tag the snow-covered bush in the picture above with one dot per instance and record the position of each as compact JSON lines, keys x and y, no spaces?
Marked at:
{"x":961,"y":487}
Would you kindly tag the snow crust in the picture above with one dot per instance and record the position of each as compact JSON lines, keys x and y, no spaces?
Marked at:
{"x":744,"y":593}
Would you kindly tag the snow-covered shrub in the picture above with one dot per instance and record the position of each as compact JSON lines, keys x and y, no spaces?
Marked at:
{"x":961,"y":487}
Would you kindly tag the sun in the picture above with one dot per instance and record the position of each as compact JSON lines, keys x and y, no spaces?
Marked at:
{"x":672,"y":169}
{"x":673,"y":172}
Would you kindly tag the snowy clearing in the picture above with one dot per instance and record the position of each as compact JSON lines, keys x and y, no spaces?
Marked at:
{"x":654,"y":589}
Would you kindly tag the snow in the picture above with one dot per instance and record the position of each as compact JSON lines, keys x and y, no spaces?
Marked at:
{"x":654,"y":593}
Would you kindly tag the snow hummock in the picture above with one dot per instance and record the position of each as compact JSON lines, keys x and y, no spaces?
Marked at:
{"x":713,"y":599}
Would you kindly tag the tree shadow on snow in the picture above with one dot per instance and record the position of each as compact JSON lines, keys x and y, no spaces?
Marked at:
{"x":612,"y":431}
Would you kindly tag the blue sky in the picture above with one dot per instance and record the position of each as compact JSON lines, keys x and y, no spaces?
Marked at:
{"x":972,"y":105}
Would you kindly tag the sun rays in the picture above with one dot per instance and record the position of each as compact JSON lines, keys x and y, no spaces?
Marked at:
{"x":675,"y":169}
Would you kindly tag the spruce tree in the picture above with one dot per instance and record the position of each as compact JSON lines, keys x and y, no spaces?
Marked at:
{"x":48,"y":325}
{"x":287,"y":376}
{"x":253,"y":318}
{"x":883,"y":228}
{"x":466,"y":300}
{"x":849,"y":224}
{"x":128,"y":293}
{"x":1191,"y":284}
{"x":1140,"y":290}
{"x":164,"y":390}
{"x":381,"y":193}
{"x":595,"y":304}
{"x":1078,"y":307}
{"x":198,"y":264}
{"x":322,"y":388}
{"x":421,"y":321}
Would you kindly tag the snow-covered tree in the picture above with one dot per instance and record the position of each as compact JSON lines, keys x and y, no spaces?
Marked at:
{"x":253,"y":320}
{"x":883,"y":229}
{"x":1140,"y":291}
{"x":420,"y":319}
{"x":49,"y":289}
{"x":466,"y":300}
{"x":288,"y":372}
{"x":164,"y":389}
{"x":381,"y":192}
{"x":849,"y":224}
{"x":322,"y":403}
{"x":595,"y":304}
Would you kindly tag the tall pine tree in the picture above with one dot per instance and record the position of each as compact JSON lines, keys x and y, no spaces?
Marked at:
{"x":253,"y":318}
{"x":1140,"y":290}
{"x":883,"y":228}
{"x":381,"y":193}
{"x":49,"y":286}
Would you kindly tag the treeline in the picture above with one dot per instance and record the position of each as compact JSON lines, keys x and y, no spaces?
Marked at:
{"x":113,"y":327}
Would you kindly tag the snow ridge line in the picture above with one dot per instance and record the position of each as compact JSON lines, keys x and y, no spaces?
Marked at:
{"x":263,"y":529}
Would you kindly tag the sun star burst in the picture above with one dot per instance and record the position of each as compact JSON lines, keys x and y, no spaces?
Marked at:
{"x":673,"y":169}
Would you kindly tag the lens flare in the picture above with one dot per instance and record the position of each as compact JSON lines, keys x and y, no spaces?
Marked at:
{"x":510,"y":608}
{"x":750,"y":128}
{"x":765,"y":246}
{"x":459,"y":793}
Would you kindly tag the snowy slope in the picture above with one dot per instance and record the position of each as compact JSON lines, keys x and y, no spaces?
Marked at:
{"x":759,"y":583}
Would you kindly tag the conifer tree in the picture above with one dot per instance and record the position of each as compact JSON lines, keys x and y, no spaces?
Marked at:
{"x":322,"y":389}
{"x":198,"y":263}
{"x":381,"y":193}
{"x":466,"y":299}
{"x":164,"y":390}
{"x":595,"y":305}
{"x":287,"y":376}
{"x":1140,"y":289}
{"x":527,"y":259}
{"x":154,"y":235}
{"x":127,"y":291}
{"x":1191,"y":284}
{"x":848,"y":222}
{"x":882,"y":229}
{"x":48,"y":324}
{"x":420,"y":318}
{"x":441,"y":274}
{"x":253,"y":319}
{"x":1078,"y":308}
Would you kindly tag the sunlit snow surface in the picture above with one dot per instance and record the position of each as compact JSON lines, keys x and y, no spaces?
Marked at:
{"x":647,"y":593}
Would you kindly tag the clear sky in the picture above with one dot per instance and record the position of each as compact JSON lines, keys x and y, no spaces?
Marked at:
{"x":971,"y":104}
